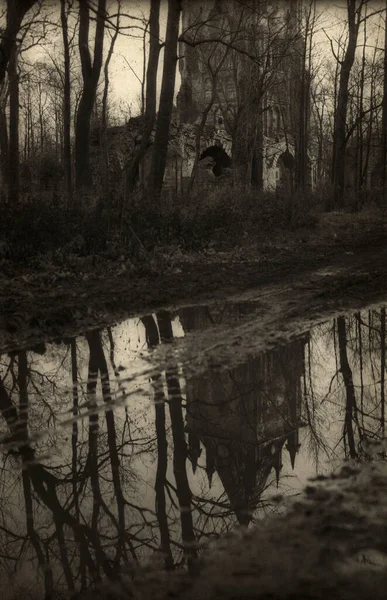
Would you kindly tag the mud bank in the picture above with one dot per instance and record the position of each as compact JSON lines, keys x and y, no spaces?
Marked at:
{"x":331,"y":543}
{"x":53,"y":301}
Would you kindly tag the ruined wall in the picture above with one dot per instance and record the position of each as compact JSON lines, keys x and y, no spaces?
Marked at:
{"x":271,"y":122}
{"x":264,"y":131}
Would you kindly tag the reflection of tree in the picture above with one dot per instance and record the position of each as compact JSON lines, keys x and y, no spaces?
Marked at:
{"x":45,"y":486}
{"x":161,"y":478}
{"x":367,"y":354}
{"x":74,"y":463}
{"x":153,"y":339}
{"x":314,"y":417}
{"x":86,"y":535}
{"x":382,"y":367}
{"x":355,"y":393}
{"x":22,"y":438}
{"x":180,"y":453}
{"x":98,"y":360}
{"x":350,"y":408}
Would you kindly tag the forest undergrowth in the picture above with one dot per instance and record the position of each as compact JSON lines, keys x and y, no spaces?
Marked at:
{"x":43,"y":230}
{"x":74,"y":268}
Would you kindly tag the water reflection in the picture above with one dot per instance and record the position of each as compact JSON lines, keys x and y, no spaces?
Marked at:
{"x":108,"y":458}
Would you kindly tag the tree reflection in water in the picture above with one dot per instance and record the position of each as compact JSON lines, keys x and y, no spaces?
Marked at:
{"x":162,"y":462}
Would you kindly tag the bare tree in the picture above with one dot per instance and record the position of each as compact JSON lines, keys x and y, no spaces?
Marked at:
{"x":354,"y":17}
{"x":151,"y":93}
{"x":180,"y":450}
{"x":214,"y":59}
{"x":160,"y":146}
{"x":91,"y":69}
{"x":383,"y":150}
{"x":305,"y":76}
{"x":16,"y":11}
{"x":104,"y":120}
{"x":4,"y":91}
{"x":67,"y":163}
{"x":13,"y":153}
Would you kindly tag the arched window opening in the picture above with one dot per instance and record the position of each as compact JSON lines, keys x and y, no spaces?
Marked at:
{"x":285,"y":170}
{"x":279,"y":118}
{"x":270,"y":121}
{"x":221,"y":158}
{"x":208,"y":89}
{"x":218,"y":118}
{"x":276,"y":118}
{"x":230,"y":89}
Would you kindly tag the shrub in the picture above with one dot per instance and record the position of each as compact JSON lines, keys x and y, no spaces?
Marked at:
{"x":224,"y":214}
{"x":217,"y":215}
{"x":41,"y":226}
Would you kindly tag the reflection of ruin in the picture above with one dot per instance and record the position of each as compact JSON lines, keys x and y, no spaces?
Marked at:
{"x":245,"y":417}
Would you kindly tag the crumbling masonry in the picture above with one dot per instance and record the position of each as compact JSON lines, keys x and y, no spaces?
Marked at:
{"x":251,"y":95}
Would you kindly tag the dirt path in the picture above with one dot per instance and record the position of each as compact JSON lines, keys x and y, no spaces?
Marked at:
{"x":338,"y":266}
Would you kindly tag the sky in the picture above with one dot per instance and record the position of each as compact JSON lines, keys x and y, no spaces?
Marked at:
{"x":126,"y":88}
{"x":126,"y":67}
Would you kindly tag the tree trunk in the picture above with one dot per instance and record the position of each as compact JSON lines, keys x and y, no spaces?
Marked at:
{"x":4,"y":160}
{"x":382,"y":368}
{"x":339,"y":134}
{"x":372,"y":117}
{"x":90,"y":75}
{"x":302,"y":163}
{"x":83,"y":176}
{"x":14,"y":166}
{"x":360,"y":144}
{"x":66,"y":106}
{"x":240,"y":138}
{"x":151,"y":93}
{"x":104,"y":124}
{"x":383,"y":151}
{"x":301,"y":154}
{"x":160,"y":146}
{"x":257,"y":156}
{"x":16,"y":9}
{"x":198,"y":140}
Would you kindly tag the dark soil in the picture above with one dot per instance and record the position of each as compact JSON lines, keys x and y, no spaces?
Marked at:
{"x":331,"y":543}
{"x":48,"y":300}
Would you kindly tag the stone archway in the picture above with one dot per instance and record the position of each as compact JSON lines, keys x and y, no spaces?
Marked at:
{"x":221,"y":159}
{"x":285,"y":170}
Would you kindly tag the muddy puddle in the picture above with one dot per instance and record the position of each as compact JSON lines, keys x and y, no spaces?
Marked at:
{"x":165,"y":431}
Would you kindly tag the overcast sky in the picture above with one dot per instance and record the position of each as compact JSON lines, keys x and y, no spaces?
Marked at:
{"x":125,"y":86}
{"x":331,"y":22}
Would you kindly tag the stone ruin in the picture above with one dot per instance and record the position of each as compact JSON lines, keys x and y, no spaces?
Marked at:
{"x":276,"y":116}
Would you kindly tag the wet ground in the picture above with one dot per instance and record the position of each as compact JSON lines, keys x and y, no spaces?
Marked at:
{"x":154,"y":436}
{"x":144,"y":416}
{"x":339,"y":263}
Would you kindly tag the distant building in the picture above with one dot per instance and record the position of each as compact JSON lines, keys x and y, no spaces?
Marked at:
{"x":242,"y":66}
{"x":255,"y":117}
